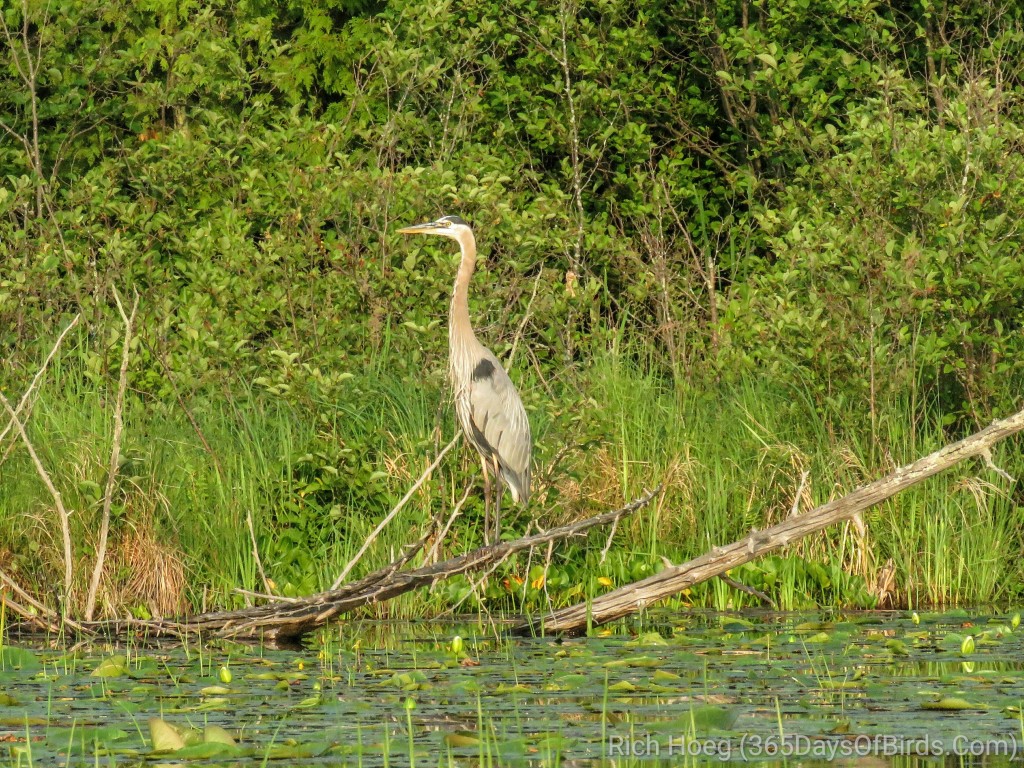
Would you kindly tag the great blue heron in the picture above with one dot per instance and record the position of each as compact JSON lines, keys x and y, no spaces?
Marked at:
{"x":486,"y":402}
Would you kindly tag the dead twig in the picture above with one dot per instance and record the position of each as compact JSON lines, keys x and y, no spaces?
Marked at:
{"x":749,"y":590}
{"x":268,"y":596}
{"x":115,"y":453}
{"x":456,"y":510}
{"x":390,"y":515}
{"x":986,"y":455}
{"x":526,"y":317}
{"x":64,"y":515}
{"x":35,"y":612}
{"x":25,"y":401}
{"x":608,"y":543}
{"x":256,"y":551}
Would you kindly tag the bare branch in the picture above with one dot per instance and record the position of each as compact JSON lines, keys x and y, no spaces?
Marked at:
{"x":36,"y":379}
{"x":65,"y":517}
{"x":433,"y":553}
{"x":987,"y":456}
{"x":256,"y":552}
{"x":390,"y":515}
{"x":115,"y":453}
{"x":526,"y":317}
{"x":749,"y":590}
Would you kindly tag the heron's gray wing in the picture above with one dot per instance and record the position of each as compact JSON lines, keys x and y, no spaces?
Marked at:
{"x":498,"y":421}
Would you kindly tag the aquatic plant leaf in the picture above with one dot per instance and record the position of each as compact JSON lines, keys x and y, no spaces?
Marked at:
{"x":458,"y":739}
{"x":664,"y":676}
{"x":648,"y":638}
{"x":217,"y":734}
{"x":570,"y":681}
{"x":515,"y":688}
{"x":84,"y":740}
{"x":712,"y":716}
{"x":164,"y":736}
{"x":700,"y":719}
{"x":550,"y":741}
{"x":214,"y":704}
{"x":468,"y":685}
{"x":287,"y":677}
{"x":298,"y":751}
{"x":13,"y":657}
{"x":838,"y":685}
{"x":622,"y":685}
{"x":112,"y":666}
{"x":951,"y":703}
{"x":101,"y":734}
{"x":951,"y":641}
{"x":21,"y":721}
{"x":897,"y":647}
{"x":634,"y":661}
{"x":206,"y":750}
{"x":215,"y":690}
{"x":410,"y":681}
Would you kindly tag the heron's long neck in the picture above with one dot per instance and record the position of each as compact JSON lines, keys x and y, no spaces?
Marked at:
{"x":461,"y":338}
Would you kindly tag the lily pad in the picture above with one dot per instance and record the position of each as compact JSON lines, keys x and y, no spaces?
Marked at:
{"x":461,"y":739}
{"x":112,"y":666}
{"x":164,"y":736}
{"x":14,"y":658}
{"x":951,"y":703}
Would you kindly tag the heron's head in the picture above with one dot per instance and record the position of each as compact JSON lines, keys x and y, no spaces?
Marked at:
{"x":446,"y":226}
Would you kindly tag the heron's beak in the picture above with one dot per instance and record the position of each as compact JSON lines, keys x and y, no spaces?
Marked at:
{"x":427,"y":228}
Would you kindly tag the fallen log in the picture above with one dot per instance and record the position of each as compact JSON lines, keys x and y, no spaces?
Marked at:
{"x":636,"y":596}
{"x":285,"y":623}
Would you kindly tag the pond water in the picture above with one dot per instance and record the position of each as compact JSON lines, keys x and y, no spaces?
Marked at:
{"x":708,"y":689}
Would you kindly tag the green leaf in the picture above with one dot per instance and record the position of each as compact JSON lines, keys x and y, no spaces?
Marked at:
{"x":215,"y":733}
{"x":13,"y":657}
{"x":951,"y":703}
{"x":164,"y":736}
{"x":459,"y":739}
{"x":112,"y":666}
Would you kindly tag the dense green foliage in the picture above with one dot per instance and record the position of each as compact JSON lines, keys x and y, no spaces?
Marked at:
{"x":727,"y":241}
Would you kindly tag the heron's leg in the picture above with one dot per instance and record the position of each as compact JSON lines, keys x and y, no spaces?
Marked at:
{"x":487,"y":503}
{"x":497,"y":504}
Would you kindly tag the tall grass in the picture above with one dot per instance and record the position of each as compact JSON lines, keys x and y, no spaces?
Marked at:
{"x":296,"y":483}
{"x":733,"y":457}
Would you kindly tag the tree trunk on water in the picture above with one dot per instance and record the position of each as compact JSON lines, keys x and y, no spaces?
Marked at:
{"x":673,"y":580}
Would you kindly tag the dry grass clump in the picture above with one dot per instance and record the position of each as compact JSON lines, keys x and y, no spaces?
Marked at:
{"x":144,"y":571}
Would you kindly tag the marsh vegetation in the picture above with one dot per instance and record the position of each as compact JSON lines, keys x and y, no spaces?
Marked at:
{"x":724,"y":246}
{"x":703,"y":688}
